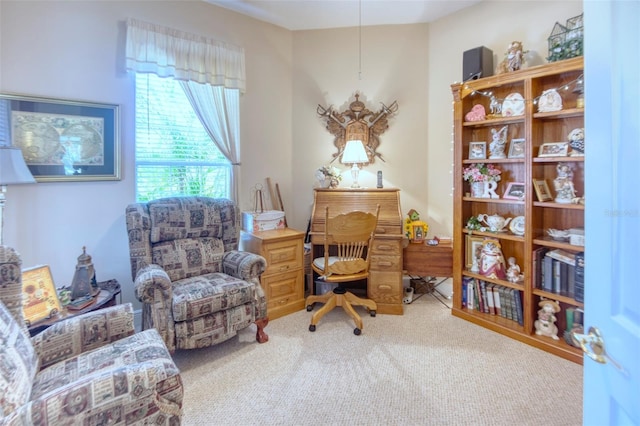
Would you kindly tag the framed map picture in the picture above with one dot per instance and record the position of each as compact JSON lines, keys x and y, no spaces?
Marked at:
{"x":39,"y":297}
{"x":64,"y":140}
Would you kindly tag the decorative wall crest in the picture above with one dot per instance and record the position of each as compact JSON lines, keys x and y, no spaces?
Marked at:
{"x":358,"y":123}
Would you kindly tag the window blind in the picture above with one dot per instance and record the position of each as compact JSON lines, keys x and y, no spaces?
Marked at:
{"x":174,"y":154}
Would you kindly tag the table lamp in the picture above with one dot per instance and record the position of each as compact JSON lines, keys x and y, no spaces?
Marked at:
{"x":13,"y":171}
{"x":354,"y":154}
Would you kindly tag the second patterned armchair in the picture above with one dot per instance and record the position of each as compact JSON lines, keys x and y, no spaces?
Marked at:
{"x":196,"y":288}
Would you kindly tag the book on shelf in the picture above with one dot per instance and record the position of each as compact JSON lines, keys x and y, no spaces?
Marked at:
{"x":483,"y":290}
{"x":579,"y":278}
{"x":496,"y":299}
{"x":538,"y":270}
{"x":547,"y":284}
{"x":488,"y":291}
{"x":563,"y":256}
{"x":518,"y":302}
{"x":506,"y":301}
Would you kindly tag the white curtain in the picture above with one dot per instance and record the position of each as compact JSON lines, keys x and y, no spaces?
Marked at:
{"x":218,"y":110}
{"x":168,"y":52}
{"x":212,"y":75}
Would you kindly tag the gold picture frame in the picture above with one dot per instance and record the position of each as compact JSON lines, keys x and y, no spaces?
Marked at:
{"x":473,"y":245}
{"x":542,"y":190}
{"x":39,"y":296}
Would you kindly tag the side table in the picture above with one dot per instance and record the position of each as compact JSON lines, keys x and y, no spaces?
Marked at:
{"x":109,"y":290}
{"x":428,"y":262}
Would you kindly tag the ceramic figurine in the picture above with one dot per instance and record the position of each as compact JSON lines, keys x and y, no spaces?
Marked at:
{"x":498,"y":143}
{"x":576,"y":142}
{"x":514,"y":58}
{"x":546,"y":323}
{"x":492,"y":263}
{"x":513,"y":272}
{"x":563,"y":184}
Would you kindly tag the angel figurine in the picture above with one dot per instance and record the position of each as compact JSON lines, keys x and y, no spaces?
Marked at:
{"x":498,"y":143}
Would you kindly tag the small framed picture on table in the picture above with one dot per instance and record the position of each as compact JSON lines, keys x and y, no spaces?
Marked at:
{"x":514,"y":191}
{"x":477,"y":150}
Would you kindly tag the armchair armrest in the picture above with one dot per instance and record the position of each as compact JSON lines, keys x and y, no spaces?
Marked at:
{"x":244,"y":265}
{"x":75,"y":335}
{"x":153,"y":288}
{"x":148,"y":280}
{"x":249,"y":267}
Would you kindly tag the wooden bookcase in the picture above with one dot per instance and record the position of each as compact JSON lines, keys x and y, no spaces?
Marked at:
{"x":535,"y":128}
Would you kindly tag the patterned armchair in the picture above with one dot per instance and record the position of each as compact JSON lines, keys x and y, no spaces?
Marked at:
{"x":196,"y":288}
{"x":88,"y":369}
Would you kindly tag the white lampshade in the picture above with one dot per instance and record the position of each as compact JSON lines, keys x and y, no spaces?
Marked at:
{"x":13,"y":169}
{"x":354,"y":153}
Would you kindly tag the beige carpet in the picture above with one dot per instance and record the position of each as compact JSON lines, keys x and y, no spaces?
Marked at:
{"x":425,"y":367}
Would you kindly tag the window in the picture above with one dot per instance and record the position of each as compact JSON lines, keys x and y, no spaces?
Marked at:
{"x":174,"y":154}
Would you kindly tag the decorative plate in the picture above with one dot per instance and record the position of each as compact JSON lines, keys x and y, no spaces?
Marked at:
{"x":517,"y":225}
{"x":549,"y":101}
{"x":513,"y":105}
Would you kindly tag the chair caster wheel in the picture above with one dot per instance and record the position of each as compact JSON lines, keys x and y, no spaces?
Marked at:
{"x":357,"y":331}
{"x":312,"y":327}
{"x":372,"y":313}
{"x":309,"y":308}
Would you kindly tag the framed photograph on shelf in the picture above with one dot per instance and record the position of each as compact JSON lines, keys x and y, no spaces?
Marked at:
{"x":477,"y":150}
{"x":514,"y":191}
{"x":516,"y":148}
{"x":473,"y":249}
{"x":63,"y":140}
{"x":554,"y":149}
{"x":39,"y":296}
{"x":542,"y":190}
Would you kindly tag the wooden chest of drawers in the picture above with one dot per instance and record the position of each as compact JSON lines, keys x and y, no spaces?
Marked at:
{"x":283,"y":280}
{"x":385,"y":279}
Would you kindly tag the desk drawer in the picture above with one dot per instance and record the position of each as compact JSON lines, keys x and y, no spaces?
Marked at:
{"x":387,"y":247}
{"x":283,"y":285}
{"x":381,"y":262}
{"x":283,"y":256}
{"x":385,"y":287}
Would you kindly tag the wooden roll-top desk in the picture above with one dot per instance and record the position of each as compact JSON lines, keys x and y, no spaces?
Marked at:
{"x":385,"y":278}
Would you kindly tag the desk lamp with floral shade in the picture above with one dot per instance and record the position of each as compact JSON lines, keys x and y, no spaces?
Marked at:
{"x":483,"y":179}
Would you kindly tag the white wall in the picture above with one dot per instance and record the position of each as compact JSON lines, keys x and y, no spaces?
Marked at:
{"x":73,"y":50}
{"x":415,"y":65}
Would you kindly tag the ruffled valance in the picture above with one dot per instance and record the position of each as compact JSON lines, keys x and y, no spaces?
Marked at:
{"x":171,"y":53}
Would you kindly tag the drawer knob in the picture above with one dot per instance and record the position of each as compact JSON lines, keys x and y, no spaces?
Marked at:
{"x":284,"y":268}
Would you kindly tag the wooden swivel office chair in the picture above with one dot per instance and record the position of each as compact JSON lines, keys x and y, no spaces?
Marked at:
{"x":346,"y":258}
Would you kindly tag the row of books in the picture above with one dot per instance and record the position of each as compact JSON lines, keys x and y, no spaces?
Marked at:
{"x":494,"y":299}
{"x":559,"y":271}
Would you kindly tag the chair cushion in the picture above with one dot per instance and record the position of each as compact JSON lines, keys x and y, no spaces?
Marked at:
{"x":205,"y":294}
{"x":189,"y":257}
{"x":19,"y":364}
{"x":187,"y":217}
{"x":342,"y":267}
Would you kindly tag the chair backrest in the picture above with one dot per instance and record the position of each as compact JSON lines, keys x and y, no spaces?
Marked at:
{"x":351,"y":234}
{"x":185,"y":235}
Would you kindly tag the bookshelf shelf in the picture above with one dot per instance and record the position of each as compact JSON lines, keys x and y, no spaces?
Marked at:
{"x":536,"y":128}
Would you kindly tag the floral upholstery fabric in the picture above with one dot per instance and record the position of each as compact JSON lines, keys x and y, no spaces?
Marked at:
{"x":197,"y":289}
{"x":89,"y":369}
{"x":19,"y":364}
{"x":189,"y":257}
